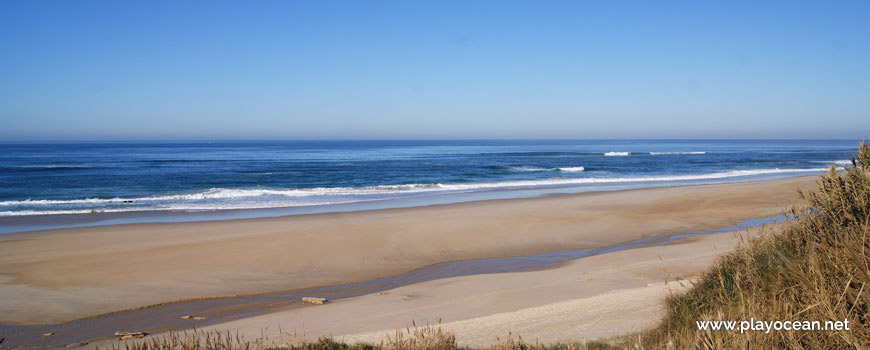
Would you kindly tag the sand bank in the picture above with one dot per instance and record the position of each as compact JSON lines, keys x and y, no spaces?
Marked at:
{"x":58,"y":275}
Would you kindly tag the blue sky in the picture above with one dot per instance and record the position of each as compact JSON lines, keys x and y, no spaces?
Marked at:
{"x":124,"y":70}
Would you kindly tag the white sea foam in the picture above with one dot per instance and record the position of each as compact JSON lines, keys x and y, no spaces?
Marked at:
{"x":174,"y":207}
{"x":675,"y":153}
{"x":600,"y":180}
{"x":565,"y":169}
{"x":224,"y":198}
{"x":230,"y":193}
{"x":531,"y":168}
{"x":52,"y":166}
{"x":616,"y":154}
{"x":48,"y":212}
{"x":837,"y":162}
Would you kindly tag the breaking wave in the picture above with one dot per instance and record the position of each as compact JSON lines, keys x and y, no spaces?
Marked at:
{"x":837,"y":162}
{"x":565,"y":169}
{"x":530,"y":168}
{"x":258,"y":198}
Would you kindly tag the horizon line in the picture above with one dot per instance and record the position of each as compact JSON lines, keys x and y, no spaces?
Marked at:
{"x":194,"y":140}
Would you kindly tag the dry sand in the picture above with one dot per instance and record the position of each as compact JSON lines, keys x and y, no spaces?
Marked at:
{"x":58,"y":275}
{"x":596,"y":297}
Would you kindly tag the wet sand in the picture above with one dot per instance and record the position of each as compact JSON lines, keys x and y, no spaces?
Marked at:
{"x":58,"y":275}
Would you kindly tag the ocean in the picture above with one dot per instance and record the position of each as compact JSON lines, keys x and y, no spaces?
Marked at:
{"x":60,"y":179}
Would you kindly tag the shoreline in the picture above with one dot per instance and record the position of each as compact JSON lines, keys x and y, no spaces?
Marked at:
{"x":35,"y":223}
{"x":56,"y":267}
{"x":565,"y":257}
{"x":58,"y":275}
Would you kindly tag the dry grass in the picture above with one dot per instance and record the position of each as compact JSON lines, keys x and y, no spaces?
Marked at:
{"x":816,"y":269}
{"x":420,"y":338}
{"x":517,"y":343}
{"x":411,"y":338}
{"x":200,"y":340}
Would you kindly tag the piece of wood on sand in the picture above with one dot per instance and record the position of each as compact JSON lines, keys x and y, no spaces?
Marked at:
{"x":129,"y":335}
{"x":313,"y":300}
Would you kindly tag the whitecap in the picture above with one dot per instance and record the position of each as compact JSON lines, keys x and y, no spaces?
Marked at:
{"x":531,"y":168}
{"x":837,"y":162}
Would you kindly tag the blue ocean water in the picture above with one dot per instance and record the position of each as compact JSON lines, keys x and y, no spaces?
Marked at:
{"x":82,"y":178}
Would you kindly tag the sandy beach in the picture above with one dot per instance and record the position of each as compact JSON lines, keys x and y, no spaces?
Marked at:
{"x":305,"y":175}
{"x":59,"y":275}
{"x":596,"y":297}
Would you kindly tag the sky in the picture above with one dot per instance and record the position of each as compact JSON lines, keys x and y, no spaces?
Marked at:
{"x":192,"y":70}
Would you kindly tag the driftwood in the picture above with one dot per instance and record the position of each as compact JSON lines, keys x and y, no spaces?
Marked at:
{"x":129,"y":335}
{"x":313,"y":300}
{"x":192,"y":317}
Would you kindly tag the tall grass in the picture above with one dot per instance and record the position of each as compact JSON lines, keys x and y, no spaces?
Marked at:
{"x":201,"y":340}
{"x":411,"y":338}
{"x":816,"y":269}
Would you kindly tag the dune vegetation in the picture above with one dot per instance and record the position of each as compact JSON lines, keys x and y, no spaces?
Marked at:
{"x":815,"y":268}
